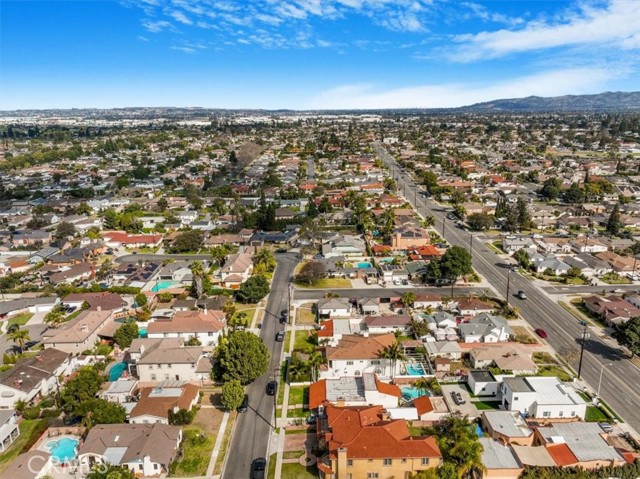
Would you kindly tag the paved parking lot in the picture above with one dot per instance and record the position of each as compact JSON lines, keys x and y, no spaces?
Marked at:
{"x":466,"y":409}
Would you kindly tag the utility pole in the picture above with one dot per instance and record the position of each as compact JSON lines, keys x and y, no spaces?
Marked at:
{"x":471,"y":245}
{"x":444,"y":223}
{"x":600,"y":380}
{"x":585,"y":335}
{"x":508,"y":284}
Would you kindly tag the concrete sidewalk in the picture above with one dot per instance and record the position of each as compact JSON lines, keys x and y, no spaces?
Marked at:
{"x":216,"y":447}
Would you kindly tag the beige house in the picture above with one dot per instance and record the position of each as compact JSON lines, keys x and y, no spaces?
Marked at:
{"x":236,"y":270}
{"x":79,"y":334}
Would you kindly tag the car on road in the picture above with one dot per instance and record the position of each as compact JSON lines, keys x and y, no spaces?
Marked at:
{"x":257,"y":468}
{"x":521,"y":295}
{"x":244,"y":407}
{"x":280,"y":336}
{"x":542,"y":333}
{"x":617,"y":291}
{"x":284,"y":316}
{"x":272,"y":388}
{"x":450,"y":216}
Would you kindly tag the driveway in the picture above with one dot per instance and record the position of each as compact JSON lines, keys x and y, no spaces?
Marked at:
{"x":466,"y":409}
{"x":35,"y":334}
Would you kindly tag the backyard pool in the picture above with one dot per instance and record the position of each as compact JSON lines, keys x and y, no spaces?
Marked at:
{"x":142,"y":333}
{"x":479,"y":431}
{"x":164,"y":285}
{"x":64,"y":449}
{"x":364,"y":265}
{"x":415,"y":369}
{"x":116,"y":371}
{"x":411,"y":392}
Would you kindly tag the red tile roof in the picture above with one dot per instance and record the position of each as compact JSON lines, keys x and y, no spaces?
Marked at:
{"x":388,"y":389}
{"x":562,"y":455}
{"x":423,"y":404}
{"x":317,"y":393}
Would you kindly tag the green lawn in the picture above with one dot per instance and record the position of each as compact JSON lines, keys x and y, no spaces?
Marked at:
{"x":299,"y":395}
{"x":271,"y":472}
{"x":327,"y":283}
{"x":292,"y":454}
{"x":29,"y":430}
{"x":298,"y":471}
{"x":20,"y":319}
{"x":594,"y":414}
{"x":196,"y":452}
{"x":486,"y":405}
{"x":554,"y":371}
{"x":613,"y":278}
{"x":298,"y":412}
{"x":304,"y":341}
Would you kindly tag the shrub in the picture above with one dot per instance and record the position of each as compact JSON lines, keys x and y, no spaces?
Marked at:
{"x":31,"y":413}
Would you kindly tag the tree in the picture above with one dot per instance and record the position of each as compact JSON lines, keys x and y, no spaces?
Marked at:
{"x":628,"y":334}
{"x":140,"y":299}
{"x":480,"y":221}
{"x":198,"y":273}
{"x":551,"y":188}
{"x":522,"y":210}
{"x":312,"y":271}
{"x":181,"y":417}
{"x":64,"y":230}
{"x":393,"y":353}
{"x":460,"y":446}
{"x":125,"y":334}
{"x":265,"y":257}
{"x":313,"y":364}
{"x":243,"y":356}
{"x":80,"y":389}
{"x":253,"y":290}
{"x":188,"y":241}
{"x":101,"y":411}
{"x":408,"y":298}
{"x":574,"y":194}
{"x":108,"y":471}
{"x":163,"y":204}
{"x":55,"y":316}
{"x":455,"y":262}
{"x":232,"y":395}
{"x":522,"y":258}
{"x":419,"y":328}
{"x":614,"y":224}
{"x":19,"y":337}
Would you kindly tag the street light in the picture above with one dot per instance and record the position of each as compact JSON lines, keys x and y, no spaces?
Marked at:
{"x":585,"y":335}
{"x":471,"y":245}
{"x":508,"y":284}
{"x":444,"y":223}
{"x":600,"y":380}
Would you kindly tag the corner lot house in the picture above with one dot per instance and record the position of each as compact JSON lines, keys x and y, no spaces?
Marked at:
{"x":334,"y":308}
{"x":146,"y":449}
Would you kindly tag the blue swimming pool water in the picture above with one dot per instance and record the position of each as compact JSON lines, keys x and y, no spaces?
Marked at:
{"x":116,"y":371}
{"x":386,"y":260}
{"x":164,"y":285}
{"x":415,"y":369}
{"x":63,"y":450}
{"x":479,"y":431}
{"x":411,"y":392}
{"x":142,"y":333}
{"x":364,"y":264}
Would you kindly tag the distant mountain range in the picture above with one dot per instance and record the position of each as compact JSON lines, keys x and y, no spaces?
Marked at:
{"x":608,"y":101}
{"x":601,"y":102}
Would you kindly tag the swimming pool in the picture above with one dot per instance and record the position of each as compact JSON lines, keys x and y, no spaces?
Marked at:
{"x":363,"y":265}
{"x":411,"y":392}
{"x":116,"y":371}
{"x":415,"y":369}
{"x":142,"y":333}
{"x":479,"y":431}
{"x":164,"y":285}
{"x":64,"y":449}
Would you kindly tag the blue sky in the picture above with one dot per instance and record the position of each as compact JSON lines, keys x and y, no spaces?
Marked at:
{"x":312,"y":53}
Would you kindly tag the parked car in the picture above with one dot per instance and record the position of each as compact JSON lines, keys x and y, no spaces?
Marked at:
{"x":312,"y":419}
{"x":280,"y":336}
{"x":272,"y":388}
{"x":605,"y":426}
{"x":542,"y":333}
{"x":30,"y":344}
{"x":460,"y":398}
{"x":13,"y":327}
{"x":617,"y":291}
{"x":257,"y":468}
{"x":244,"y":407}
{"x":521,"y":295}
{"x":457,"y":397}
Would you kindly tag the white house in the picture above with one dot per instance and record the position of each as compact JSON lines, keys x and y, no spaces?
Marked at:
{"x":424,"y":301}
{"x":542,"y":397}
{"x":334,"y":308}
{"x":206,"y":326}
{"x":9,"y":430}
{"x":511,"y":245}
{"x":146,"y":449}
{"x":236,"y":270}
{"x":486,"y":328}
{"x":356,"y":355}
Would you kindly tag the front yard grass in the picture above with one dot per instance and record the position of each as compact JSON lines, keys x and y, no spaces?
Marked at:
{"x":304,"y":341}
{"x":196,"y":452}
{"x":614,"y":278}
{"x":327,"y":283}
{"x":523,"y":336}
{"x":595,"y":414}
{"x":554,"y":371}
{"x":20,"y":319}
{"x":271,"y":472}
{"x":486,"y":405}
{"x":298,"y":471}
{"x":298,"y":395}
{"x":306,"y":314}
{"x":29,"y":431}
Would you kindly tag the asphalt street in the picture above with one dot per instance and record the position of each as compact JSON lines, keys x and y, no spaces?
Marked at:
{"x":620,"y":385}
{"x":253,"y":429}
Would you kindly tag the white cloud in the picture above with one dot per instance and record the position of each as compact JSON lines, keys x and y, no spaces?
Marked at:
{"x":156,"y":26}
{"x":550,"y":83}
{"x":184,"y":49}
{"x":617,"y":24}
{"x":142,"y":38}
{"x":179,"y":17}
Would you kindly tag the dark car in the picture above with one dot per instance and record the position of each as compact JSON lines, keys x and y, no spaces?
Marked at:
{"x":454,"y":396}
{"x":257,"y":468}
{"x":521,"y":295}
{"x":13,"y":327}
{"x":30,"y":344}
{"x":280,"y":336}
{"x":272,"y":388}
{"x":542,"y":333}
{"x":244,"y":407}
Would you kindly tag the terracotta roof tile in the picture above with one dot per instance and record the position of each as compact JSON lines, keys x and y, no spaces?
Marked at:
{"x":562,"y":455}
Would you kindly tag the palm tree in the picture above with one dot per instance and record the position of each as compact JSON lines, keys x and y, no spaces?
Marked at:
{"x":264,"y":257}
{"x":314,"y":362}
{"x":19,"y":337}
{"x":408,"y":298}
{"x":423,"y":384}
{"x":393,"y":353}
{"x":429,"y":221}
{"x":55,"y":317}
{"x":197,"y":271}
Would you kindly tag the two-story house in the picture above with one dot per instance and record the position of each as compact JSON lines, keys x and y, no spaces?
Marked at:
{"x":155,"y":360}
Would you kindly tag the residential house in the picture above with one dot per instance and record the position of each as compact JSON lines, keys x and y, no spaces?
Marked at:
{"x":619,"y":263}
{"x":121,"y":391}
{"x":120,"y":239}
{"x":334,"y":308}
{"x":98,"y":302}
{"x":34,"y":377}
{"x":72,"y":274}
{"x":155,"y":402}
{"x":153,"y":360}
{"x":508,"y":427}
{"x":483,"y":383}
{"x":146,"y":449}
{"x":511,"y":245}
{"x":542,"y":398}
{"x":473,"y":306}
{"x":369,"y":306}
{"x":589,"y":245}
{"x":393,"y":273}
{"x":406,"y":238}
{"x":613,"y":309}
{"x":598,"y":266}
{"x":361,"y":443}
{"x":343,"y":245}
{"x":206,"y":326}
{"x":15,"y":307}
{"x":444,"y":349}
{"x":425,"y":301}
{"x":236,"y":270}
{"x":386,"y":324}
{"x":486,"y":328}
{"x":9,"y":430}
{"x":357,"y":354}
{"x":176,"y":271}
{"x":79,"y":334}
{"x":499,"y":460}
{"x":505,"y":357}
{"x":553,"y":265}
{"x":353,"y":391}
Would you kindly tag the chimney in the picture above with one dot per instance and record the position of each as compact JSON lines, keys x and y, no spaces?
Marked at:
{"x":342,"y":462}
{"x":99,"y":308}
{"x":84,"y":328}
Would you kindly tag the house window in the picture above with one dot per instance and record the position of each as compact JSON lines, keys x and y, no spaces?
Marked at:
{"x":153,"y":377}
{"x":404,"y":461}
{"x":425,"y":461}
{"x":546,"y":414}
{"x":209,"y":334}
{"x":573,"y":413}
{"x":140,"y":467}
{"x":155,"y":466}
{"x":561,"y":413}
{"x":372,"y":475}
{"x":349,"y":363}
{"x":349,"y":462}
{"x":369,"y":460}
{"x":169,"y":365}
{"x":515,"y":398}
{"x":387,"y":462}
{"x":375,"y":362}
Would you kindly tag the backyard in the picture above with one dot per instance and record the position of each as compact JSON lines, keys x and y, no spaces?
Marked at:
{"x":196,"y":452}
{"x":30,"y":430}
